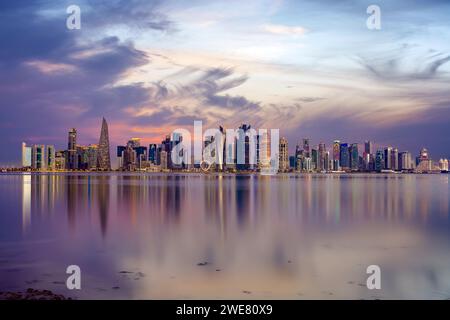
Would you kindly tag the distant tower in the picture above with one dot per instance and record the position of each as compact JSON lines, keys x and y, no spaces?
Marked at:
{"x":306,"y":147}
{"x":284,"y":158}
{"x":72,"y":150}
{"x":104,"y":160}
{"x":336,"y":155}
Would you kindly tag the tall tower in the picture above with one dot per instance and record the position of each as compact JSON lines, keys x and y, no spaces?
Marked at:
{"x":336,"y":155}
{"x":104,"y":160}
{"x":306,"y":147}
{"x":72,"y":150}
{"x":322,"y":162}
{"x":284,"y":158}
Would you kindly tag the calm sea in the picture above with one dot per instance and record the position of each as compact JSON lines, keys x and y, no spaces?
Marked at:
{"x":152,"y":236}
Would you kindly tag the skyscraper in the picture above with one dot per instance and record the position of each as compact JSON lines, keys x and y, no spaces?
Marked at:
{"x":379,"y":161}
{"x":306,"y":148}
{"x":314,"y":158}
{"x":394,"y":159}
{"x":121,"y":155}
{"x":284,"y":158}
{"x":368,"y":147}
{"x":344,"y":156}
{"x":164,"y":160}
{"x":354,"y":156}
{"x":50,"y":159}
{"x":336,"y":154}
{"x":152,"y":149}
{"x":322,"y":161}
{"x":38,"y":157}
{"x":405,"y":161}
{"x":26,"y":155}
{"x":92,"y":155}
{"x":72,"y":150}
{"x":103,"y":158}
{"x":388,"y":158}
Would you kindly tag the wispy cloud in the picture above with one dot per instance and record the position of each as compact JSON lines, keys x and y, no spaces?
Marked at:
{"x":284,"y":29}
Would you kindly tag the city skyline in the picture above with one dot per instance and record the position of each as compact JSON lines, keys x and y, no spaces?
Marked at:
{"x":150,"y":67}
{"x":308,"y":156}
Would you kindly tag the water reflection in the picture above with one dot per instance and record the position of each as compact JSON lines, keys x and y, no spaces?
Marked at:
{"x":283,"y":236}
{"x":310,"y":199}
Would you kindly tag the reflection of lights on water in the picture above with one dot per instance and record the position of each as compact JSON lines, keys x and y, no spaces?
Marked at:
{"x":26,"y":201}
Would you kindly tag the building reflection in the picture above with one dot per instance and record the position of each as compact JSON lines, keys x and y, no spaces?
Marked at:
{"x":232,"y":201}
{"x":26,"y":202}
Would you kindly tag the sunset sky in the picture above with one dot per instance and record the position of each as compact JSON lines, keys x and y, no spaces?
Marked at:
{"x":311,"y":68}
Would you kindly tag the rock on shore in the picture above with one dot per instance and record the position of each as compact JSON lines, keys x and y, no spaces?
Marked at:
{"x":32,"y":294}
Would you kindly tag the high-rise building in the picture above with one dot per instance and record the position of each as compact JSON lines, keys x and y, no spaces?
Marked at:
{"x":306,"y":147}
{"x":164,"y":161}
{"x":379,"y":161}
{"x":103,"y":156}
{"x":394,"y":159}
{"x":354,"y":156}
{"x":263,"y":150}
{"x":424,"y":162}
{"x":26,"y":155}
{"x":328,"y":163}
{"x":72,"y":150}
{"x":423,"y":155}
{"x":366,"y":162}
{"x":120,"y":155}
{"x":284,"y":158}
{"x":443,"y":165}
{"x":50,"y":157}
{"x":368,"y":147}
{"x":344,"y":156}
{"x":314,"y":159}
{"x":60,"y":160}
{"x":152,"y":149}
{"x":141,"y":155}
{"x":292,"y":163}
{"x":92,"y":156}
{"x":307,"y":164}
{"x":322,"y":161}
{"x":388,"y":158}
{"x":38,"y":157}
{"x":129,"y":161}
{"x":336,"y":154}
{"x":82,"y":157}
{"x":242,"y":145}
{"x":405,"y":161}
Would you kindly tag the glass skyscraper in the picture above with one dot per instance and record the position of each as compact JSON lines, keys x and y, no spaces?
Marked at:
{"x":104,"y":160}
{"x":344,"y":156}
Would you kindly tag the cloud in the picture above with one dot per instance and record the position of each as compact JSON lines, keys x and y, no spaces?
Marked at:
{"x":309,"y":99}
{"x":136,"y":14}
{"x":52,"y":79}
{"x":202,"y":97}
{"x":403,"y":64}
{"x":279,"y":29}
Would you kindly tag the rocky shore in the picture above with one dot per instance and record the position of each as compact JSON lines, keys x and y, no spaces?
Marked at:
{"x":32,"y":294}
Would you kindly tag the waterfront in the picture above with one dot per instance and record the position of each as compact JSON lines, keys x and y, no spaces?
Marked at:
{"x":146,"y":236}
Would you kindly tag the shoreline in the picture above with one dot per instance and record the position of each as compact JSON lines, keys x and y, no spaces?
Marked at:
{"x":243,"y":173}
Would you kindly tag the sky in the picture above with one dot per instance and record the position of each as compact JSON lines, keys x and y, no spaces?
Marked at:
{"x":310,"y":68}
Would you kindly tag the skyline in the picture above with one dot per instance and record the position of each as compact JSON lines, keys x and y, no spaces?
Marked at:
{"x":339,"y":156}
{"x":150,"y":67}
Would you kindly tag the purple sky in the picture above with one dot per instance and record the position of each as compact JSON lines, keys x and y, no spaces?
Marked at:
{"x":311,"y":68}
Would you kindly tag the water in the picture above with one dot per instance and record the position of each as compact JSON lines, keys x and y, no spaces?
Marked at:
{"x":287,"y":236}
